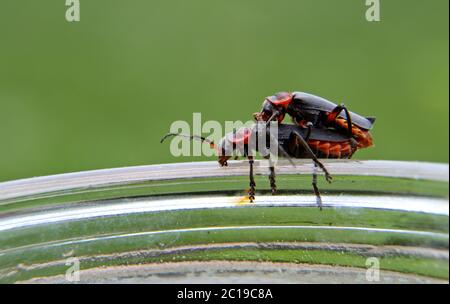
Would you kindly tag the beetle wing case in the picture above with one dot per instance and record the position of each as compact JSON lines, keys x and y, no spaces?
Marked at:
{"x":322,"y":134}
{"x":316,"y":103}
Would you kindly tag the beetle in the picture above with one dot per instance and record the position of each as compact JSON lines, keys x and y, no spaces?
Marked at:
{"x":308,"y":110}
{"x":292,"y":141}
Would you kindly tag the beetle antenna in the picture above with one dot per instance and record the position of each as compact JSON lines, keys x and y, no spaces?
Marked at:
{"x":272,"y":117}
{"x":191,"y":137}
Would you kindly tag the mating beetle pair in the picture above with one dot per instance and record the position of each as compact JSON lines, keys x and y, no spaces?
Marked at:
{"x":321,"y":129}
{"x":310,"y":111}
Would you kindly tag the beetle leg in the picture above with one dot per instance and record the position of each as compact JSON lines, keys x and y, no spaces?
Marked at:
{"x":354,"y":146}
{"x":309,"y":125}
{"x":316,"y":189}
{"x":273,"y":117}
{"x":313,"y":156}
{"x":335,"y":113}
{"x":273,"y":186}
{"x":251,"y":191}
{"x":349,"y":121}
{"x":281,"y":150}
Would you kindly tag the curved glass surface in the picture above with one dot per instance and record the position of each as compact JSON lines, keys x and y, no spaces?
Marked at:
{"x":191,"y":222}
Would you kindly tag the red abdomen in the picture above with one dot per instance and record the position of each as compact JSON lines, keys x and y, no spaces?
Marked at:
{"x":326,"y":149}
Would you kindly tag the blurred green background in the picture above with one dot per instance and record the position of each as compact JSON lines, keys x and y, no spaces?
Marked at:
{"x":100,"y":93}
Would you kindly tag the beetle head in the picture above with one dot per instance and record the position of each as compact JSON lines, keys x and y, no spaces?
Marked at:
{"x":274,"y":107}
{"x":234,"y":144}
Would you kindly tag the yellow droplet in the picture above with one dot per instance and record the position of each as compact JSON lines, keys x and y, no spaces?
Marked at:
{"x":243,"y":200}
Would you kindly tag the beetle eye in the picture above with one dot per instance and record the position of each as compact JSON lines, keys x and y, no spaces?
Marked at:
{"x":268,"y":112}
{"x":268,"y":108}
